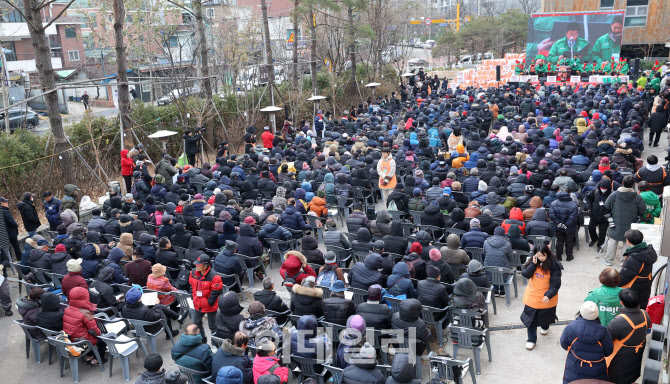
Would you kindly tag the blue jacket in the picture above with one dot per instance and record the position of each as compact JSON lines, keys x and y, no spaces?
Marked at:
{"x":565,"y":211}
{"x":292,"y":219}
{"x":198,"y":358}
{"x":227,"y":264}
{"x":366,"y":273}
{"x":147,"y":248}
{"x":112,"y":261}
{"x":228,"y":358}
{"x":590,"y":341}
{"x":399,"y":282}
{"x":470,"y":184}
{"x":89,"y":265}
{"x":159,"y":191}
{"x":312,"y":345}
{"x":198,"y":205}
{"x":229,"y":375}
{"x":52,"y":211}
{"x":475,"y":237}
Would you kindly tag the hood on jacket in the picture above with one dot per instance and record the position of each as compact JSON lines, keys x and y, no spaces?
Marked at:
{"x":514,"y":231}
{"x":70,"y":189}
{"x":116,"y":254}
{"x":423,"y":238}
{"x":491,"y":198}
{"x":457,"y":215}
{"x":453,"y":241}
{"x":563,"y":196}
{"x":362,"y":235}
{"x":293,"y":261}
{"x":247,"y":186}
{"x":189,"y":210}
{"x":309,"y":243}
{"x":208,"y":223}
{"x":401,"y":369}
{"x":307,"y":291}
{"x":281,"y":191}
{"x":308,"y":324}
{"x":26,"y":303}
{"x":248,"y":231}
{"x":146,"y":239}
{"x":536,"y":202}
{"x":374,"y":261}
{"x":126,"y":239}
{"x":229,"y":304}
{"x":68,"y":217}
{"x":196,"y":242}
{"x":410,"y":309}
{"x":50,"y":302}
{"x":89,"y":252}
{"x":190,"y":340}
{"x":229,"y":375}
{"x":401,"y":269}
{"x":299,"y":194}
{"x":383,"y":217}
{"x":540,"y":215}
{"x":465,"y":287}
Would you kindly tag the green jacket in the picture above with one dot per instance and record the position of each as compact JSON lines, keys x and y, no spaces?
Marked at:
{"x":642,"y":81}
{"x":653,"y":206}
{"x":604,"y":48}
{"x":607,"y":300}
{"x":575,"y":64}
{"x":592,"y":68}
{"x":561,"y":46}
{"x":656,"y":83}
{"x":624,"y":69}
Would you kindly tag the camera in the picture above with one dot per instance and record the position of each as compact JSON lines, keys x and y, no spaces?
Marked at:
{"x":610,"y":220}
{"x":200,"y":129}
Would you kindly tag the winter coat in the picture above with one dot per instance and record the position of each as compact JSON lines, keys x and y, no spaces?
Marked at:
{"x":656,"y":178}
{"x":274,"y":231}
{"x":626,"y":207}
{"x":78,"y":317}
{"x":452,"y":254}
{"x":259,"y":326}
{"x":399,"y":282}
{"x":227,"y":264}
{"x":139,"y":311}
{"x":208,"y":234}
{"x":475,"y":238}
{"x":270,"y":300}
{"x":102,"y":294}
{"x":292,"y":219}
{"x":498,"y":251}
{"x":363,"y":371}
{"x":196,"y":248}
{"x":394,"y":242}
{"x":376,"y":315}
{"x":137,"y":271}
{"x":366,"y":273}
{"x":228,"y":318}
{"x":408,"y":317}
{"x":73,"y":280}
{"x":209,"y":283}
{"x":198,"y":358}
{"x":228,"y":355}
{"x":295,"y":266}
{"x":305,"y":342}
{"x":181,"y":238}
{"x":40,"y":259}
{"x":262,"y":366}
{"x":625,"y":366}
{"x":479,"y":279}
{"x":356,"y":220}
{"x":432,"y":293}
{"x":50,"y":315}
{"x":593,"y":202}
{"x":28,"y":310}
{"x":402,"y":371}
{"x":586,"y":340}
{"x":432,"y":215}
{"x":564,"y":211}
{"x":382,"y":225}
{"x":161,"y":284}
{"x":540,"y":225}
{"x":310,"y":249}
{"x":638,"y":261}
{"x":52,"y":210}
{"x":31,"y":220}
{"x":306,"y":301}
{"x":247,"y":242}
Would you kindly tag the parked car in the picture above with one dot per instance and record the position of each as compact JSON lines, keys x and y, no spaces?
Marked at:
{"x":177,"y":94}
{"x":20,"y":118}
{"x":417,"y":63}
{"x":429,"y":44}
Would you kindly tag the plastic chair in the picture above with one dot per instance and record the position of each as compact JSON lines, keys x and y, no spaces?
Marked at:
{"x":445,"y":368}
{"x":49,"y":333}
{"x":326,"y":292}
{"x":228,"y":288}
{"x":407,"y":228}
{"x":118,"y":326}
{"x":279,"y":315}
{"x":335,"y":373}
{"x":517,"y":264}
{"x":312,"y":220}
{"x":433,"y":230}
{"x":345,"y":205}
{"x":476,"y":253}
{"x":490,"y":298}
{"x":468,"y":318}
{"x":395,"y":303}
{"x":22,"y":277}
{"x":180,"y":251}
{"x":193,"y":376}
{"x":42,"y":275}
{"x":396,"y":215}
{"x":536,"y":240}
{"x":344,"y":256}
{"x":63,"y":355}
{"x":464,"y":337}
{"x":455,"y":231}
{"x":307,"y":368}
{"x":151,"y":337}
{"x":333,"y":330}
{"x":359,"y":256}
{"x":276,"y":247}
{"x":185,"y":305}
{"x":436,"y":317}
{"x":416,"y":217}
{"x":30,"y":340}
{"x":121,"y":347}
{"x":498,"y":278}
{"x":359,"y":295}
{"x":250,"y":270}
{"x":216,"y":341}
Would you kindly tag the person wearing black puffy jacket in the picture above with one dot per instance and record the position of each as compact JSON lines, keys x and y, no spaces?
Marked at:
{"x":190,"y":221}
{"x":357,"y":219}
{"x":337,"y":309}
{"x":148,"y":249}
{"x":182,"y":238}
{"x":307,"y":298}
{"x":366,"y":273}
{"x":377,"y":314}
{"x":637,"y":265}
{"x":228,"y":318}
{"x":402,"y":371}
{"x":457,"y":220}
{"x":432,"y":215}
{"x":362,"y":242}
{"x":50,"y":315}
{"x":363,"y":368}
{"x":310,"y":249}
{"x":394,"y":242}
{"x":408,"y":318}
{"x":292,"y":219}
{"x":539,"y":225}
{"x":208,"y":234}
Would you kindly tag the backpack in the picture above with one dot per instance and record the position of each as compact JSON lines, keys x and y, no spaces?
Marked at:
{"x":326,"y":278}
{"x":411,"y":266}
{"x":290,"y":279}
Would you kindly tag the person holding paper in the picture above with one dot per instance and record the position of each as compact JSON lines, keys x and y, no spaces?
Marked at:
{"x":136,"y":309}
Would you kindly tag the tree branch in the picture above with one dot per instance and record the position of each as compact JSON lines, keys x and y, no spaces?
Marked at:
{"x":181,"y":6}
{"x":20,"y":13}
{"x":45,"y":4}
{"x":59,"y":14}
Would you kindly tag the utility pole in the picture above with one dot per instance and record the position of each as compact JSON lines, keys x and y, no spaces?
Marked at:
{"x":5,"y":89}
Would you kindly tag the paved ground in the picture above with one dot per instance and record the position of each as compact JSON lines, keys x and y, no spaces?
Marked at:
{"x":77,"y":112}
{"x":511,"y":362}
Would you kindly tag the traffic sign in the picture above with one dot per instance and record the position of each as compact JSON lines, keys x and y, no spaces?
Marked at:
{"x":415,"y":21}
{"x":290,"y":39}
{"x":427,"y":21}
{"x":439,"y":21}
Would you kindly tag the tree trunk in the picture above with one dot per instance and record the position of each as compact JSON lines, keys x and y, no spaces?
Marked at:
{"x":266,"y":40}
{"x":204,"y":68}
{"x":47,"y":76}
{"x":352,"y":48}
{"x":312,"y":49}
{"x":122,"y":71}
{"x":295,"y":45}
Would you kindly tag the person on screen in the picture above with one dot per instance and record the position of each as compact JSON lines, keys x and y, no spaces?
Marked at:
{"x":569,"y":46}
{"x":610,"y":43}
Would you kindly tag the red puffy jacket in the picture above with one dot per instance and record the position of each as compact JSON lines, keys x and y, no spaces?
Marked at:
{"x":210,"y":285}
{"x":78,"y":317}
{"x":127,"y":164}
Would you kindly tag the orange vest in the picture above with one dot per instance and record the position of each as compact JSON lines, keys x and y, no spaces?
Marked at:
{"x":618,"y":344}
{"x":386,"y":168}
{"x":537,"y":286}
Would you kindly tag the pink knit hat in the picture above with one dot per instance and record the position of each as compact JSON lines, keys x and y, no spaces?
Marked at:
{"x":435,"y":254}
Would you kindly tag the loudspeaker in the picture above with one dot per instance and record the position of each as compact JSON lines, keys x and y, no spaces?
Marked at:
{"x":636,"y":67}
{"x":497,"y":73}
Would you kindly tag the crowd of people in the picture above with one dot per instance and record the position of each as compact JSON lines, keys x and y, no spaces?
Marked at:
{"x":496,"y":170}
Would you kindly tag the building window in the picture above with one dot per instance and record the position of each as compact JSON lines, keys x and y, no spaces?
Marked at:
{"x":187,"y":19}
{"x":11,"y":16}
{"x":636,"y":13}
{"x":210,"y":13}
{"x":10,"y":50}
{"x":606,"y":5}
{"x":172,"y":42}
{"x":70,"y":32}
{"x":73,"y":55}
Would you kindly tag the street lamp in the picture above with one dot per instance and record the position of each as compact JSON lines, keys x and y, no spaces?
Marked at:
{"x":163,"y":136}
{"x":373,"y":85}
{"x":272,"y":110}
{"x":316,"y":99}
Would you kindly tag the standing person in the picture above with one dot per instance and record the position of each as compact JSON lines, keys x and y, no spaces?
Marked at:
{"x":12,"y":227}
{"x":654,"y":174}
{"x":540,"y":299}
{"x":637,"y":267}
{"x":267,"y":138}
{"x":626,"y":207}
{"x":127,"y":168}
{"x":563,"y":213}
{"x":587,"y":342}
{"x":249,"y":139}
{"x":52,"y":210}
{"x":85,"y":99}
{"x":657,"y":122}
{"x":595,"y":207}
{"x":606,"y":296}
{"x":70,"y":198}
{"x":5,"y":254}
{"x":31,"y":221}
{"x":629,"y":332}
{"x":191,"y":145}
{"x":386,"y":171}
{"x":166,"y":169}
{"x":206,"y":288}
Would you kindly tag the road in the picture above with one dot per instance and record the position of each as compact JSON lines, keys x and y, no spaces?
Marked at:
{"x":75,"y":115}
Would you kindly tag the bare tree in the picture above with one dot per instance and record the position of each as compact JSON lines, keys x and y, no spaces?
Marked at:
{"x":122,"y":69}
{"x":529,"y":6}
{"x":32,"y":13}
